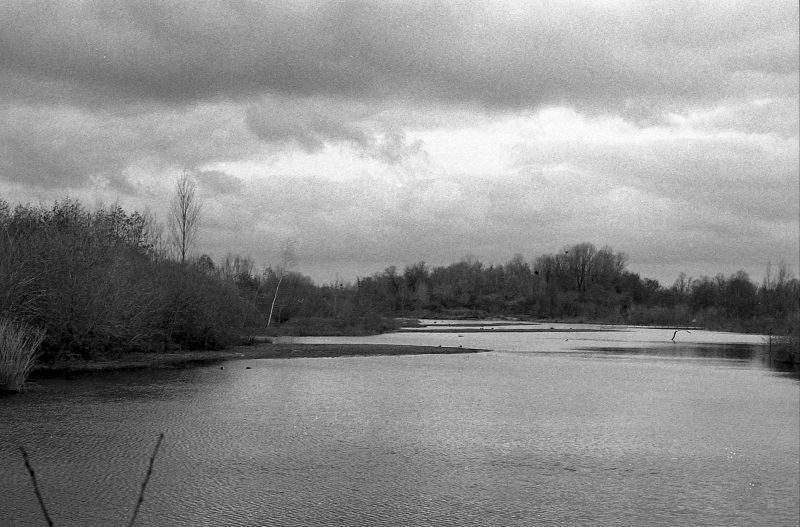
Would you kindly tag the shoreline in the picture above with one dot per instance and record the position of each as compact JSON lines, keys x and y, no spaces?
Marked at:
{"x":187,"y":359}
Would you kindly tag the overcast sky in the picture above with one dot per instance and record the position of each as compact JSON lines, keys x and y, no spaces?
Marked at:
{"x":379,"y":133}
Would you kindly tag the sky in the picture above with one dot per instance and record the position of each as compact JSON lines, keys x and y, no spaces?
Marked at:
{"x":376,"y":133}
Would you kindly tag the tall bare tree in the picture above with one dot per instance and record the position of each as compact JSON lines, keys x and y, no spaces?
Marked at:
{"x":184,"y":216}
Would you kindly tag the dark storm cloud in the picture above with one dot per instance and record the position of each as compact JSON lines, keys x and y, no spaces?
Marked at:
{"x":49,"y":146}
{"x":380,"y":132}
{"x":179,"y":52}
{"x":41,"y":150}
{"x":311,"y":123}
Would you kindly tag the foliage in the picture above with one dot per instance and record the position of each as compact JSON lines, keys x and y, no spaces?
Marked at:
{"x":98,"y":283}
{"x":784,"y":347}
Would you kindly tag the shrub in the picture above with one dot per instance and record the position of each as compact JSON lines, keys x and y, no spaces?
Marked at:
{"x":19,"y":347}
{"x":96,"y":283}
{"x":785,"y":348}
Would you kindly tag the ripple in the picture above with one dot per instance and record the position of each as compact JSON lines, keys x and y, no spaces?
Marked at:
{"x":515,"y":440}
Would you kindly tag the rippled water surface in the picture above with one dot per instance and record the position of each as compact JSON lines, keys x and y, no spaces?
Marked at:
{"x":552,"y":428}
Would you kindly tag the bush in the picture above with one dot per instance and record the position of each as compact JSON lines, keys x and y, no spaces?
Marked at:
{"x":199,"y":312}
{"x":19,"y":348}
{"x":785,"y":348}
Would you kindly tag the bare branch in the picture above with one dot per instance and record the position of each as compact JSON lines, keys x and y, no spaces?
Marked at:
{"x":35,"y":486}
{"x":146,"y":479}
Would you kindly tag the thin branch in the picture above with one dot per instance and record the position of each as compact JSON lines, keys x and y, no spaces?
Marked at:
{"x":35,"y":486}
{"x":146,"y":479}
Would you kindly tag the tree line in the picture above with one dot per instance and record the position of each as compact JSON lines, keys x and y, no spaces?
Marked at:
{"x":580,"y":282}
{"x":584,"y":282}
{"x":106,"y":280}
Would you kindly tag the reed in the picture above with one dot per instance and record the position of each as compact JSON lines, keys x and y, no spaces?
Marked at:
{"x":19,"y":348}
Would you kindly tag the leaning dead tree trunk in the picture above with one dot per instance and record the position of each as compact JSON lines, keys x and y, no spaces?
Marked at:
{"x":288,"y":259}
{"x":274,"y":297}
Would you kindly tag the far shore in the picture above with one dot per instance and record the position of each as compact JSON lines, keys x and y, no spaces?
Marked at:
{"x":185,"y":359}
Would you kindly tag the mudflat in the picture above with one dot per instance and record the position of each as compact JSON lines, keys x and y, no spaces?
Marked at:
{"x":183,"y":359}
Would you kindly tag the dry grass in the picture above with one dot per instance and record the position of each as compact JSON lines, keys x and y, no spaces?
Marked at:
{"x":19,"y":345}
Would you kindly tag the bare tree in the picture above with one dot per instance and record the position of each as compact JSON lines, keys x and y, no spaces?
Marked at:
{"x":153,"y":236}
{"x":184,"y":216}
{"x":579,"y":260}
{"x":288,"y":260}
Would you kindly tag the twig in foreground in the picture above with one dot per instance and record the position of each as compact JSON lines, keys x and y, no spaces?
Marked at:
{"x":35,"y":486}
{"x":146,"y":479}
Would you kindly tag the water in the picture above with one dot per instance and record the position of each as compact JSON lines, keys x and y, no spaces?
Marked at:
{"x":549,"y":337}
{"x":583,"y":428}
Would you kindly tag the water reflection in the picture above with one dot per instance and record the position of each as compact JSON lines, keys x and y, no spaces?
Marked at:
{"x":746,"y":354}
{"x":739,"y":352}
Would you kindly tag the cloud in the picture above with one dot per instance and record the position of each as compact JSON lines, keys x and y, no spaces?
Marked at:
{"x":216,"y":182}
{"x":759,"y":116}
{"x":307,"y":123}
{"x":381,"y":133}
{"x":751,"y":174}
{"x":313,"y":123}
{"x":509,"y":56}
{"x":69,"y":147}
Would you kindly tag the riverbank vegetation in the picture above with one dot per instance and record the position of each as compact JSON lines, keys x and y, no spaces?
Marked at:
{"x":19,"y":347}
{"x":105,"y":281}
{"x":101,"y":281}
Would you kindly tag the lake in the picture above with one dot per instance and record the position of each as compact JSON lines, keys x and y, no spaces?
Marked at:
{"x":558,"y":425}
